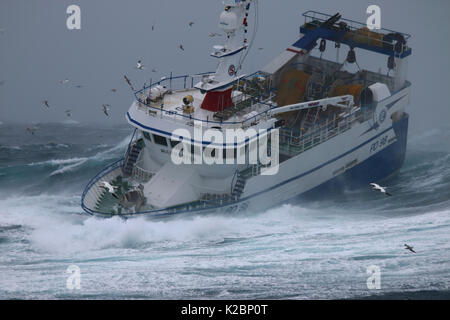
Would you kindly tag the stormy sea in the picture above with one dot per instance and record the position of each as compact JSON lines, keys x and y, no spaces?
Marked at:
{"x":310,"y":249}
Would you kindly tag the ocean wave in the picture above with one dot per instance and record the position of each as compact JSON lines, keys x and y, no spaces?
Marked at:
{"x":57,"y":162}
{"x":10,"y":147}
{"x":70,"y":122}
{"x":69,"y":167}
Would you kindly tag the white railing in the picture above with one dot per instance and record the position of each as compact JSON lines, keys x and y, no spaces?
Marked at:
{"x":141,"y":174}
{"x":296,"y":144}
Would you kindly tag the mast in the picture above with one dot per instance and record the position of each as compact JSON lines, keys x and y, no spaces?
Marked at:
{"x":234,"y":23}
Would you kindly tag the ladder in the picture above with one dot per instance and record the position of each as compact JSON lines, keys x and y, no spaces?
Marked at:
{"x":132,"y":156}
{"x":310,"y":118}
{"x":239,"y":186}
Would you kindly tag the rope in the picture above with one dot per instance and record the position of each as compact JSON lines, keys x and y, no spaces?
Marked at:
{"x":255,"y":29}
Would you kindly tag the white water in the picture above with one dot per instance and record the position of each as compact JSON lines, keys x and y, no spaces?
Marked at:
{"x":310,"y":250}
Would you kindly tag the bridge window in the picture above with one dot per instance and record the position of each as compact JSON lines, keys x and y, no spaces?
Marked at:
{"x":160,"y":140}
{"x":147,"y":136}
{"x":173,"y":143}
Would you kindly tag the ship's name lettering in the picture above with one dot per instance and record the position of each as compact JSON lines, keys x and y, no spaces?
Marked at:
{"x":379,"y":144}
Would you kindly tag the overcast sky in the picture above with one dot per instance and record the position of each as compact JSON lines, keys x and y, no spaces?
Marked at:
{"x":37,"y":50}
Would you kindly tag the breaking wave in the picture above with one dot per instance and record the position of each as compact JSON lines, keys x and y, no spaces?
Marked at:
{"x":312,"y":249}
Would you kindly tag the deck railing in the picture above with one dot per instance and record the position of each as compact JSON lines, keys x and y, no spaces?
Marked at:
{"x":294,"y":142}
{"x":358,"y":32}
{"x":97,"y":178}
{"x":258,"y":101}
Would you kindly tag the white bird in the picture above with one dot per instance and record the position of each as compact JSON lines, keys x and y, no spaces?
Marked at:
{"x":379,"y":188}
{"x":214,"y":34}
{"x":68,"y":112}
{"x":106,"y":109}
{"x":64,"y":81}
{"x":409,"y":248}
{"x":110,"y":188}
{"x":32,"y":130}
{"x":139,"y":65}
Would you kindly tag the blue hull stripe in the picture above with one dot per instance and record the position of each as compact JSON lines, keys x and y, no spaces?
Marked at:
{"x":395,"y":151}
{"x":318,"y":167}
{"x":206,"y":143}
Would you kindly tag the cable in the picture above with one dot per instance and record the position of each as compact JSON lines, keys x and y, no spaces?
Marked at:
{"x":255,"y":29}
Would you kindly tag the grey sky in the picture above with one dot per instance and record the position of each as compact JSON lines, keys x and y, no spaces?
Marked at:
{"x":37,"y":50}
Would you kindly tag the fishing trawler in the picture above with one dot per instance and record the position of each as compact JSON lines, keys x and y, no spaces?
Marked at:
{"x":326,"y":128}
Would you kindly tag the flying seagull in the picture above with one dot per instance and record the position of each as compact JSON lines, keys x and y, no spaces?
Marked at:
{"x":181,"y":47}
{"x":110,"y":188}
{"x":379,"y":188}
{"x":32,"y":130}
{"x":106,"y":109}
{"x":45,"y":102}
{"x":214,"y":34}
{"x":68,"y":112}
{"x":113,"y":90}
{"x":64,"y":81}
{"x":129,"y":82}
{"x":409,"y":248}
{"x":191,"y":24}
{"x":139,"y":65}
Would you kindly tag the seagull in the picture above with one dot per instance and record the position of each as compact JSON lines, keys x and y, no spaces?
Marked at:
{"x":214,"y":34}
{"x":68,"y":112}
{"x":191,"y":24}
{"x":32,"y":130}
{"x":45,"y":102}
{"x":381,"y":189}
{"x":64,"y":81}
{"x":139,"y":65}
{"x":110,"y":188}
{"x":260,"y":48}
{"x":106,"y":109}
{"x":129,"y":82}
{"x":181,"y":47}
{"x":113,"y":90}
{"x":409,"y":248}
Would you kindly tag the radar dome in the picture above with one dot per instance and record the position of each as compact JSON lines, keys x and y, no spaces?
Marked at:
{"x":228,"y":21}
